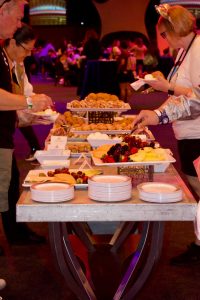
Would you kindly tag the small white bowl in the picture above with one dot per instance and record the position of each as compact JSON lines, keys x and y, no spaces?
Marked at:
{"x":45,"y":155}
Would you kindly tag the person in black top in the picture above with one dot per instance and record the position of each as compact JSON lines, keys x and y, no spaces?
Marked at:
{"x":11,"y":12}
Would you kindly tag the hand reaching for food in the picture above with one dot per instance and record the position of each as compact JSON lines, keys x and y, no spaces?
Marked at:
{"x":145,"y":117}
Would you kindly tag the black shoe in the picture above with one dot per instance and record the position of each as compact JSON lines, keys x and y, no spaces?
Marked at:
{"x":190,"y":257}
{"x":31,"y":238}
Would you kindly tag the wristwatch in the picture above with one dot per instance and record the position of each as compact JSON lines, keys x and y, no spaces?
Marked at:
{"x":162,"y":116}
{"x":29,"y":102}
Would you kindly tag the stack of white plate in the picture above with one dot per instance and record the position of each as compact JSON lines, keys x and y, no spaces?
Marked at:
{"x":52,"y":192}
{"x":109,"y":188}
{"x":159,"y":192}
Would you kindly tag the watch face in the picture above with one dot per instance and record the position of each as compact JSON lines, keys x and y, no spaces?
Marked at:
{"x":165,"y":120}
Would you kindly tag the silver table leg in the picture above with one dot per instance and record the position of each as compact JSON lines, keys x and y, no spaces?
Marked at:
{"x":68,"y":264}
{"x":144,"y":258}
{"x":150,"y":245}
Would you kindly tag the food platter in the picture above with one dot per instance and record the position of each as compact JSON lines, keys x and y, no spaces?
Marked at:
{"x":112,"y":132}
{"x":168,"y":159}
{"x":87,"y":109}
{"x":39,"y":179}
{"x":149,"y":135}
{"x":34,"y":177}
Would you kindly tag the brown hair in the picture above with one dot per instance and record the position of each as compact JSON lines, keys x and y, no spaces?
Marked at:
{"x":179,"y":21}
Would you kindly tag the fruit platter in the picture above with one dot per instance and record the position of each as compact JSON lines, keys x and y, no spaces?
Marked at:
{"x":132,"y":151}
{"x":75,"y":177}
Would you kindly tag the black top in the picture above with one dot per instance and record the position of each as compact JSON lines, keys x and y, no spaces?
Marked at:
{"x":92,"y":49}
{"x":7,"y":118}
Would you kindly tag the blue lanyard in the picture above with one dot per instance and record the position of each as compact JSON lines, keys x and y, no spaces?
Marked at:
{"x":180,"y":60}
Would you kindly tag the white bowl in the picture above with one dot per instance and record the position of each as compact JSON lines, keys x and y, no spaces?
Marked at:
{"x":54,"y":164}
{"x":45,"y":155}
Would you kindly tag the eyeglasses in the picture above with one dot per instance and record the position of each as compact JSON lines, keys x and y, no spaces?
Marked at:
{"x":4,"y":2}
{"x":163,"y":34}
{"x":26,"y":49}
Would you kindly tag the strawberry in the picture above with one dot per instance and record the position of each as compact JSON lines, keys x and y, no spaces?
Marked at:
{"x":134,"y":150}
{"x":108,"y":159}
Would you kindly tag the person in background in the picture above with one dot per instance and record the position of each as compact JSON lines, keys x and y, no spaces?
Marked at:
{"x":44,"y":56}
{"x":126,"y":70}
{"x":92,"y":49}
{"x":16,"y":49}
{"x":165,"y":62}
{"x":140,"y":50}
{"x":115,"y":49}
{"x":178,"y":26}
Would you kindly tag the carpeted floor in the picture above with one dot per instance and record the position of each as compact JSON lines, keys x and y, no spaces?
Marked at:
{"x":30,"y":271}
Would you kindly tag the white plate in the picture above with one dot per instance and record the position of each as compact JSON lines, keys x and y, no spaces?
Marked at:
{"x":50,"y":187}
{"x":147,"y":199}
{"x":158,"y":187}
{"x":49,"y":192}
{"x":53,"y":200}
{"x":49,"y":117}
{"x":109,"y":180}
{"x":109,"y":199}
{"x":110,"y":195}
{"x":159,"y":192}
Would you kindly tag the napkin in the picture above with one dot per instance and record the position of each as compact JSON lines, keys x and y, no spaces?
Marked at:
{"x":137,"y":84}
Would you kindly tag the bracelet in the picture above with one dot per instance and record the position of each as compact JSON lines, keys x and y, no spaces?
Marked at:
{"x":29,"y":102}
{"x":162,"y":116}
{"x":170,"y":92}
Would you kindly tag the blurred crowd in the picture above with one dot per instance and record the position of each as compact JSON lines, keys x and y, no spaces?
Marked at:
{"x":66,"y":63}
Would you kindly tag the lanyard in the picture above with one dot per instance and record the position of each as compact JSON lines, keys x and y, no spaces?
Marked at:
{"x":180,"y":60}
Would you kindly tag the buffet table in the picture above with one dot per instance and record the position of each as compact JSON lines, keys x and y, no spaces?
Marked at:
{"x":134,"y":216}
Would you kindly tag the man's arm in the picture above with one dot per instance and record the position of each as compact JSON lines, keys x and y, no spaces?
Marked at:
{"x":9,"y":101}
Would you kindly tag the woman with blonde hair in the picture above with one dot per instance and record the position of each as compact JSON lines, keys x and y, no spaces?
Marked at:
{"x":178,"y":27}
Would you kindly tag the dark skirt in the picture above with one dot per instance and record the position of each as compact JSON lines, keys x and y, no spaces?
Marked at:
{"x":189,"y":150}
